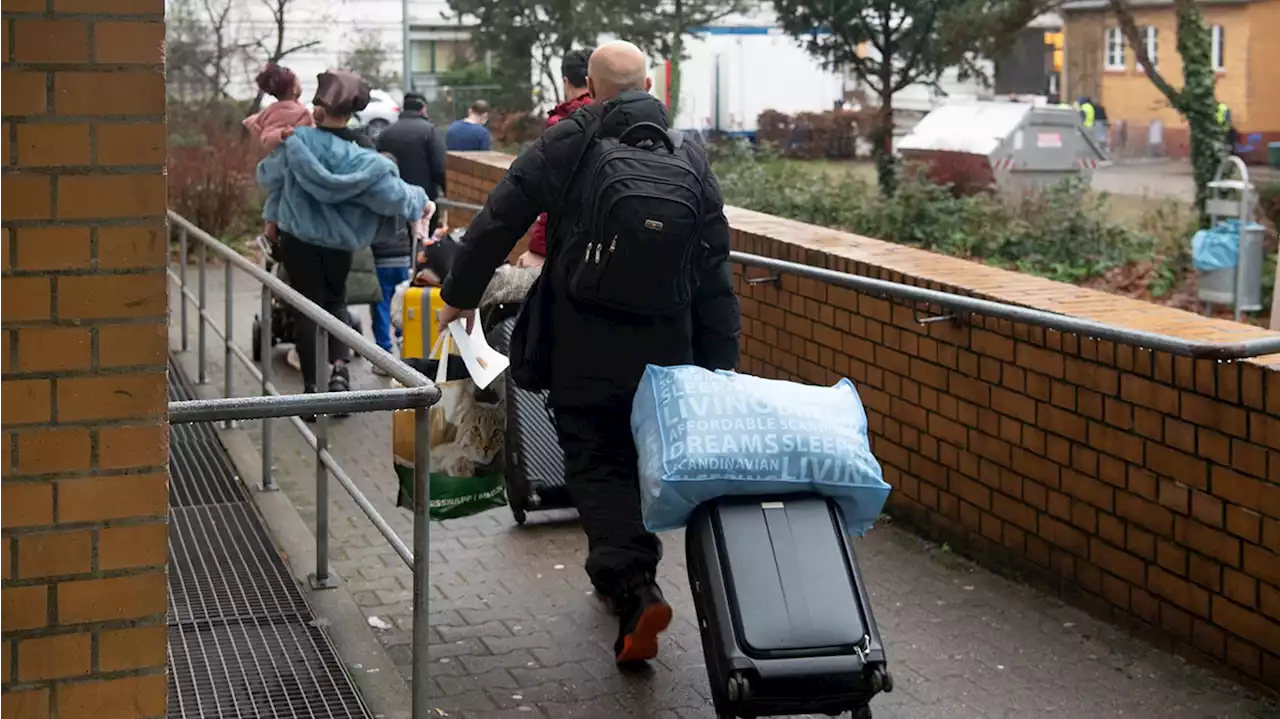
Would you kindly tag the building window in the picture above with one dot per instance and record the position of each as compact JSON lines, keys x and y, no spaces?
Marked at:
{"x":438,"y":56}
{"x":1219,"y":57}
{"x":1115,"y":49}
{"x":1151,"y":38}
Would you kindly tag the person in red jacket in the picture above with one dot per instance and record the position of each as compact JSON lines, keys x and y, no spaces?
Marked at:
{"x":573,"y":71}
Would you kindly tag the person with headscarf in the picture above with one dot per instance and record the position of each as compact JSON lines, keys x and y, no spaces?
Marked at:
{"x":328,"y":191}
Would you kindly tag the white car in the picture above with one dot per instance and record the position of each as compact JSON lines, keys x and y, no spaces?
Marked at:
{"x":381,"y":113}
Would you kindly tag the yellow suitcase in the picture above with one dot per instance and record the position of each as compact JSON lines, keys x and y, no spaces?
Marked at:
{"x":421,"y":307}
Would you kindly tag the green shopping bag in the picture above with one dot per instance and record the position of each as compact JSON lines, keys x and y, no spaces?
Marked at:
{"x":466,"y":447}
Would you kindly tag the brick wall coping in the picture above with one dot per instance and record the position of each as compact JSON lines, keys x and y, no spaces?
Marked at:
{"x":953,"y":274}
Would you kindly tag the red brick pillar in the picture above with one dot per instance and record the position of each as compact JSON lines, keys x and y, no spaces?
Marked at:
{"x":85,"y":449}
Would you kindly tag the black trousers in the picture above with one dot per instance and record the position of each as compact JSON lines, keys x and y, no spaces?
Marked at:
{"x":600,"y":468}
{"x":320,"y":275}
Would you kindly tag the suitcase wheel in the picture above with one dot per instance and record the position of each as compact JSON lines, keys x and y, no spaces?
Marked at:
{"x":738,"y":688}
{"x":519,"y":515}
{"x":882,"y":680}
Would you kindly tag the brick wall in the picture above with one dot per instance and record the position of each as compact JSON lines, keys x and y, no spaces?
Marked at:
{"x":470,"y":176}
{"x":85,"y":447}
{"x":1141,"y":486}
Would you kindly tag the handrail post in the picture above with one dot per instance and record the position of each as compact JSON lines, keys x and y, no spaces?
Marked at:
{"x":202,"y":376}
{"x":264,"y":364}
{"x":322,"y":578}
{"x":421,"y":563}
{"x":182,"y":283}
{"x":227,"y":323}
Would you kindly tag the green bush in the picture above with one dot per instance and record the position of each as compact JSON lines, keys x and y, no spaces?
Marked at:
{"x":1063,"y":233}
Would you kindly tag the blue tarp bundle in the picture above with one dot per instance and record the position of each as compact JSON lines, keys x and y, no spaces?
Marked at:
{"x":1218,"y":248}
{"x":703,"y":435}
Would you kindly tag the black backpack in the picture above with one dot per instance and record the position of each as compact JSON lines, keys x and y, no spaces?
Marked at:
{"x":636,"y":240}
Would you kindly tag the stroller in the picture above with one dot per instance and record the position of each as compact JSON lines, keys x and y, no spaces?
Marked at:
{"x":283,"y":320}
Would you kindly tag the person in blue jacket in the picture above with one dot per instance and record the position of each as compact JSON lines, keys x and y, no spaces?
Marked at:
{"x":328,"y":192}
{"x":470,"y":134}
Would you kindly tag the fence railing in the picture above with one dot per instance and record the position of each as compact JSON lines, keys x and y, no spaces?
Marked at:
{"x":418,"y":394}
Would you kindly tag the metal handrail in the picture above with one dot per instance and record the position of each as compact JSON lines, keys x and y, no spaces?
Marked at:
{"x":292,"y":405}
{"x":951,"y":302}
{"x":418,"y":394}
{"x":403,"y":373}
{"x":1222,"y":351}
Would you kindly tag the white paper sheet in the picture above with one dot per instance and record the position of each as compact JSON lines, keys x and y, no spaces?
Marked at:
{"x":483,"y":362}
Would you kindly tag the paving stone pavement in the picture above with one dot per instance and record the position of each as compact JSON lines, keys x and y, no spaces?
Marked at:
{"x":516,"y":634}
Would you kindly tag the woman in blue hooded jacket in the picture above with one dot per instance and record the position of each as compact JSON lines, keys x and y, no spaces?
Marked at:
{"x":327,"y":192}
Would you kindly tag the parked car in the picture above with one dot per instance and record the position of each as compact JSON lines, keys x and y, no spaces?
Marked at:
{"x":382,"y":111}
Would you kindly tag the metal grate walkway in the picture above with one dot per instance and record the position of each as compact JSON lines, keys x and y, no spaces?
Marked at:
{"x":243,"y":641}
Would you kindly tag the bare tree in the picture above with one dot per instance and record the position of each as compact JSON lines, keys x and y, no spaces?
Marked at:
{"x":273,"y":47}
{"x":201,"y":49}
{"x":367,"y":57}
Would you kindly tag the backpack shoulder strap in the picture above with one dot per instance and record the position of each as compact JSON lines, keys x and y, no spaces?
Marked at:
{"x":588,"y":137}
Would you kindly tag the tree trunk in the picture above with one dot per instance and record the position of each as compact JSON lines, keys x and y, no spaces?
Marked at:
{"x":1197,"y":102}
{"x":677,"y":59}
{"x":882,"y":148}
{"x":882,"y":133}
{"x":673,"y":84}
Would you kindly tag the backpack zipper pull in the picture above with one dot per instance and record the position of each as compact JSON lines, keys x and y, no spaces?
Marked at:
{"x":613,"y":244}
{"x":587,"y":257}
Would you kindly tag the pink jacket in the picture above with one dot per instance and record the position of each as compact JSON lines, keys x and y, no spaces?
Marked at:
{"x":268,"y":126}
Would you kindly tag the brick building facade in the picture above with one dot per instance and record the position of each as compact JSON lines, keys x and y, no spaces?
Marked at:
{"x":85,"y":441}
{"x":1100,"y":63}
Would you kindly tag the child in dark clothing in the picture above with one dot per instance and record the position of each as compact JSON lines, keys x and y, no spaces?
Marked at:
{"x":392,"y":261}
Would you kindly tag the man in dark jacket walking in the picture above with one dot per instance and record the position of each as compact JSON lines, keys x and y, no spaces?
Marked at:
{"x":597,"y":355}
{"x":418,"y":147}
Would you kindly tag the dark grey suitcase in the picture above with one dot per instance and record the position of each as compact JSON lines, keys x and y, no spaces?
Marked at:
{"x":533,"y":463}
{"x":785,"y":619}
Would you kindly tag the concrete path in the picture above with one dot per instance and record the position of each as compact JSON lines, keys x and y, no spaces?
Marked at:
{"x":1161,"y":180}
{"x":516,"y":633}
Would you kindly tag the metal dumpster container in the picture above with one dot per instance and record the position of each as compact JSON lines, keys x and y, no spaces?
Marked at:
{"x":1012,"y":145}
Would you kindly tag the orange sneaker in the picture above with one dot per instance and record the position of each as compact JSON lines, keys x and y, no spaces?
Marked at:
{"x":645,"y":615}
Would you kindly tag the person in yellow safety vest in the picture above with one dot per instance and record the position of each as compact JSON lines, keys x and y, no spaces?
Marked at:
{"x":1087,"y":112}
{"x":1223,"y":115}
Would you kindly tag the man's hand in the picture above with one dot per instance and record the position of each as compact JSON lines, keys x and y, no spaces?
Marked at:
{"x":529,"y":259}
{"x":448,"y":314}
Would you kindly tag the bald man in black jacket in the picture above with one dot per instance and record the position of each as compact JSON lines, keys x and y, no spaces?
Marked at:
{"x":597,"y":355}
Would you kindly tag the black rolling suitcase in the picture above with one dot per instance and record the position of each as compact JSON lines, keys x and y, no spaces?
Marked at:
{"x":785,"y":619}
{"x":533,"y":463}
